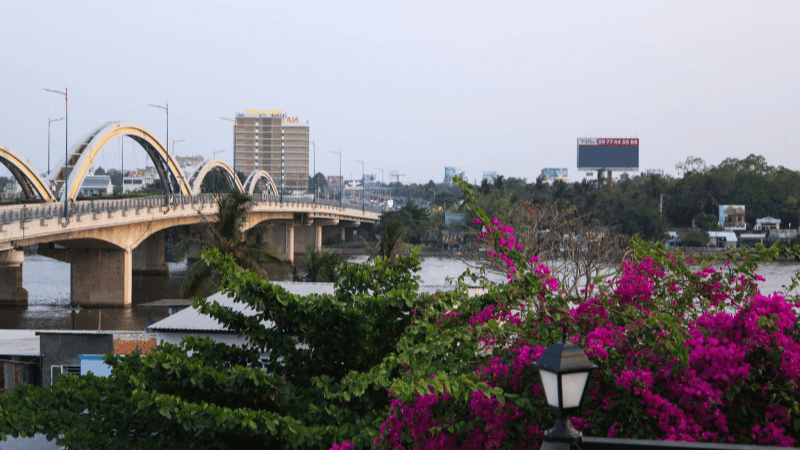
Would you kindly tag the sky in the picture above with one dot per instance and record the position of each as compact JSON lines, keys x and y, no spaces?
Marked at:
{"x":413,"y":86}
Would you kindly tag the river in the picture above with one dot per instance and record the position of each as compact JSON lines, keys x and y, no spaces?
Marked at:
{"x":48,"y":281}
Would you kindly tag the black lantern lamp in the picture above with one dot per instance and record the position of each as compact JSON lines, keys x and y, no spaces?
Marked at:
{"x":565,"y":370}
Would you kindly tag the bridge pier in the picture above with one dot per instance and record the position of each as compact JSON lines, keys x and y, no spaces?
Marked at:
{"x":280,"y":236}
{"x":308,"y":236}
{"x":99,"y":276}
{"x":11,"y":290}
{"x":148,"y":257}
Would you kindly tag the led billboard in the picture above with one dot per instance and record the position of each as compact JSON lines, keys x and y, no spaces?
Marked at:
{"x":608,"y":153}
{"x":555,"y":173}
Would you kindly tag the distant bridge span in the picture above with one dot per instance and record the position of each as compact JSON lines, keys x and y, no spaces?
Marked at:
{"x":106,"y":240}
{"x":82,"y":154}
{"x":32,"y":184}
{"x":196,"y":178}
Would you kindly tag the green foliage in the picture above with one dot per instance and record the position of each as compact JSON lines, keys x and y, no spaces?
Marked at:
{"x":394,"y":233}
{"x":696,"y":239}
{"x":707,"y":222}
{"x":314,"y":371}
{"x":416,"y":219}
{"x":320,"y":265}
{"x":226,"y":234}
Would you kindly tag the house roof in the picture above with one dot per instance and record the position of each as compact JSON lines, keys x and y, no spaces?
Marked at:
{"x":19,"y":343}
{"x":190,"y":319}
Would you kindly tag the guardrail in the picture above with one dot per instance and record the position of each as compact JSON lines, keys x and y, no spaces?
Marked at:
{"x":53,"y":210}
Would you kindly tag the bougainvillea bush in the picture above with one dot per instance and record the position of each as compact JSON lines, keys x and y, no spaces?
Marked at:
{"x":688,"y":350}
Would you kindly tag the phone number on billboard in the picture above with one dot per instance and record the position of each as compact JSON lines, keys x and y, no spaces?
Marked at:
{"x":608,"y":141}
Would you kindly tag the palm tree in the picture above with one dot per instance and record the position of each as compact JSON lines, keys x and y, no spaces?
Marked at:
{"x":226,"y":234}
{"x":389,"y":243}
{"x":320,"y":265}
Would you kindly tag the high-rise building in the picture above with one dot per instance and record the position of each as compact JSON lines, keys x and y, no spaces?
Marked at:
{"x":269,"y":140}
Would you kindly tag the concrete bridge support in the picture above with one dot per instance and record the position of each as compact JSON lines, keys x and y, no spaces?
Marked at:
{"x":148,"y":257}
{"x":11,"y":290}
{"x":307,"y":236}
{"x":280,"y":236}
{"x":99,"y":276}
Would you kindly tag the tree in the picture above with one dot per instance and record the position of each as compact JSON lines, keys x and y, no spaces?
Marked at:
{"x":309,"y":377}
{"x":320,"y":265}
{"x":390,"y":240}
{"x":225,"y":233}
{"x":707,"y":222}
{"x":685,"y":352}
{"x":696,"y":239}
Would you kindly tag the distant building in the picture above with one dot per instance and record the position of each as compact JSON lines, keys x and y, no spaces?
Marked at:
{"x":94,"y":185}
{"x":270,"y":141}
{"x":722,"y":239}
{"x":489,"y":176}
{"x":767,"y":223}
{"x":189,"y":161}
{"x":136,"y":183}
{"x":450,"y":172}
{"x":732,"y":218}
{"x":654,"y":172}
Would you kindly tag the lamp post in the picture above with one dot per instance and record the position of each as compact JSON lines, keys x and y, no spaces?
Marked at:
{"x":564,"y":370}
{"x":215,"y":175}
{"x":315,"y":170}
{"x":49,"y":122}
{"x":166,"y":157}
{"x":234,"y":144}
{"x":66,"y":147}
{"x":341,"y":180}
{"x":363,"y":187}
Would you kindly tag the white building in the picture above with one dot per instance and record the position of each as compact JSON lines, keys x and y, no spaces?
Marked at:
{"x":136,"y":183}
{"x":94,"y":185}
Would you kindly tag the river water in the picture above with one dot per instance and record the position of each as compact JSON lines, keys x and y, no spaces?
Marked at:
{"x":48,"y":281}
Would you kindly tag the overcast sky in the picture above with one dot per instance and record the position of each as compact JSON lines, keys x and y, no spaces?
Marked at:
{"x":414,"y":86}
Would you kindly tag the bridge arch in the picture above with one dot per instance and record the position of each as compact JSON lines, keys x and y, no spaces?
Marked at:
{"x":86,"y":149}
{"x":196,"y":178}
{"x":252,"y":180}
{"x":32,"y":184}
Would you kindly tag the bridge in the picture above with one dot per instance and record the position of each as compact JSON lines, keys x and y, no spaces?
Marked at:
{"x":106,"y":241}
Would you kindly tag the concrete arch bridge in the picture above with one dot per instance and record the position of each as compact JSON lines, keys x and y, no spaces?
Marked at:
{"x":80,"y":157}
{"x":106,"y":241}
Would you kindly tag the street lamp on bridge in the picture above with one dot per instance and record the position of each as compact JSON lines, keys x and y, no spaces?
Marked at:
{"x":49,"y":122}
{"x":363,"y":187}
{"x":214,"y":175}
{"x":341,"y":180}
{"x":234,"y":143}
{"x":66,"y":146}
{"x":166,"y":157}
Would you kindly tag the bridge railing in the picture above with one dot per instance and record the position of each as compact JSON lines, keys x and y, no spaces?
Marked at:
{"x":54,"y":210}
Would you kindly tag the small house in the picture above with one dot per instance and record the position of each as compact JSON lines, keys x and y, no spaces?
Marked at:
{"x":722,"y":239}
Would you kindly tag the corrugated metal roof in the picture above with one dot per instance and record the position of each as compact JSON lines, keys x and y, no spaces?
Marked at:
{"x":190,"y":319}
{"x":20,"y":347}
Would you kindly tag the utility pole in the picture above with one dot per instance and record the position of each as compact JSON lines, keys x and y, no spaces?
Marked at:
{"x":341,"y":180}
{"x":363,"y":186}
{"x":66,"y":147}
{"x":49,"y":122}
{"x":166,"y":157}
